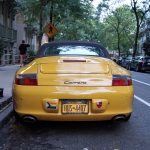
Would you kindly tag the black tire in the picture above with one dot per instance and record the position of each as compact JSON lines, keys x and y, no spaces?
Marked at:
{"x":128,"y":117}
{"x":143,"y":71}
{"x":17,"y":117}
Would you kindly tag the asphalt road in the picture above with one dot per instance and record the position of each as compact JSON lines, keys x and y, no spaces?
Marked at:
{"x":132,"y":135}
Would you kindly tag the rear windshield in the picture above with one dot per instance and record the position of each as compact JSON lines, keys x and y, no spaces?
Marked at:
{"x":74,"y":49}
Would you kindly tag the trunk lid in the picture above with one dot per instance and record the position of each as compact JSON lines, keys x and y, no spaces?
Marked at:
{"x":75,"y":71}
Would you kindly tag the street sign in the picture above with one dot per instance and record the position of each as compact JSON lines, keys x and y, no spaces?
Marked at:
{"x":50,"y":30}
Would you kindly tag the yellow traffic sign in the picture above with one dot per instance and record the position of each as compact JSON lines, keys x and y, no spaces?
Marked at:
{"x":50,"y":30}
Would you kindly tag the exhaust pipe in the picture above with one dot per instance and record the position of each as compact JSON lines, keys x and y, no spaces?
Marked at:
{"x":29,"y":119}
{"x":119,"y":118}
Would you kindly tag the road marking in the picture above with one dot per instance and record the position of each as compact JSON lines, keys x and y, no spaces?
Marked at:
{"x":141,"y":100}
{"x":141,"y":82}
{"x":85,"y":148}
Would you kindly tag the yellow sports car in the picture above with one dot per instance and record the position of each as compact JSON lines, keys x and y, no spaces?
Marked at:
{"x":72,"y":81}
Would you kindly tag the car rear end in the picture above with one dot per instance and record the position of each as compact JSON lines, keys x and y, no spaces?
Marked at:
{"x":83,"y":88}
{"x":145,"y":64}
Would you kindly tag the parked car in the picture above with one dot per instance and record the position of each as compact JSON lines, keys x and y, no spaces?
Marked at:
{"x":126,"y":61}
{"x":119,"y":61}
{"x":140,"y":63}
{"x":72,"y":81}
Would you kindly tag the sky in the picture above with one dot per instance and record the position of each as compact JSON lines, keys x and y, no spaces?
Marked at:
{"x":119,"y":2}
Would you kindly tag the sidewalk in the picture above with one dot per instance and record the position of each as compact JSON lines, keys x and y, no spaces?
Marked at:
{"x":6,"y":79}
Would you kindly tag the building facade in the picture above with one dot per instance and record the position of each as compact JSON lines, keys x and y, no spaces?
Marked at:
{"x":8,"y":35}
{"x":12,"y":31}
{"x":25,"y":32}
{"x":144,"y":33}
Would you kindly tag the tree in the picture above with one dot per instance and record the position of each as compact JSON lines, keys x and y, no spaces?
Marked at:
{"x":69,"y":16}
{"x":140,"y":10}
{"x":103,"y":7}
{"x":119,"y":27}
{"x":34,"y":13}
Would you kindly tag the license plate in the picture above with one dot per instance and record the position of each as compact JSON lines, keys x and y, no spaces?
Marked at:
{"x":75,"y":107}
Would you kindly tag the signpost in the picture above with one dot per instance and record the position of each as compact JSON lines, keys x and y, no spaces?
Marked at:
{"x":50,"y":30}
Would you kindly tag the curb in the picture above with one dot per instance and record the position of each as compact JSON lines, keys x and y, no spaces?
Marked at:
{"x":6,"y":113}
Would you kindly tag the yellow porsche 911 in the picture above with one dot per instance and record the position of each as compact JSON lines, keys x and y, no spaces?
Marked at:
{"x":72,"y":81}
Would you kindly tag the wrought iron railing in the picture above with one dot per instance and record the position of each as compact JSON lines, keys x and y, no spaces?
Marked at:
{"x":8,"y":33}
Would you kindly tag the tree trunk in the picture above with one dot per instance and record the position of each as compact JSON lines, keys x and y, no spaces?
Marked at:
{"x":41,"y":25}
{"x":136,"y":41}
{"x":137,"y":34}
{"x":51,"y":19}
{"x":134,"y":8}
{"x":118,"y":43}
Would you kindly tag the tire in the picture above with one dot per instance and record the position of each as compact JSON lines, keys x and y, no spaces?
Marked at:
{"x":128,"y":117}
{"x":17,"y":117}
{"x":143,"y":71}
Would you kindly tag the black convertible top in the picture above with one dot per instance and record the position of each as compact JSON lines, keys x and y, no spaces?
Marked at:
{"x":75,"y":43}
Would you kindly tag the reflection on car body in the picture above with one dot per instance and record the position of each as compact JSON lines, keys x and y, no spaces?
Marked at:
{"x":72,"y":81}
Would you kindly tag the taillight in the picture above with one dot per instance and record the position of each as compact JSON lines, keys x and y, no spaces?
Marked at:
{"x":121,"y":80}
{"x":26,"y":79}
{"x":143,"y":62}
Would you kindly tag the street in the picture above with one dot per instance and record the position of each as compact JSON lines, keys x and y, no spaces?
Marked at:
{"x":7,"y":74}
{"x":131,"y":135}
{"x":60,"y":59}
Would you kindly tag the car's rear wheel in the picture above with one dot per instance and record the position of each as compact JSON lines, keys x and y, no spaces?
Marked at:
{"x":142,"y":70}
{"x":17,"y":117}
{"x":128,"y":117}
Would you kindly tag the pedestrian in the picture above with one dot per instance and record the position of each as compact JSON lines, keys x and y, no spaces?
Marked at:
{"x":23,"y":50}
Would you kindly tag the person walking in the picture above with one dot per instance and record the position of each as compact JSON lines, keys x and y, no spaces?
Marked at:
{"x":23,"y":51}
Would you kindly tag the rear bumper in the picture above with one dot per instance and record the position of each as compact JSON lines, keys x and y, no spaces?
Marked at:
{"x":59,"y":117}
{"x":29,"y":101}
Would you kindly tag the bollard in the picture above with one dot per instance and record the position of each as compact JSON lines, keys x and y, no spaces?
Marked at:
{"x":1,"y":92}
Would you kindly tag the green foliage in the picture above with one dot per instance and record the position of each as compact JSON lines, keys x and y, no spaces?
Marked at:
{"x":65,"y":13}
{"x":140,"y":10}
{"x":30,"y":52}
{"x":102,"y":7}
{"x":118,"y":31}
{"x":73,"y":19}
{"x":76,"y":20}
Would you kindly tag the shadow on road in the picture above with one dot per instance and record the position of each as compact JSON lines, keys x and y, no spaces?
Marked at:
{"x":70,"y":127}
{"x":61,"y":135}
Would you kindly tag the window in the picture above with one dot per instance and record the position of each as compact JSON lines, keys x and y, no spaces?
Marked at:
{"x":73,"y":50}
